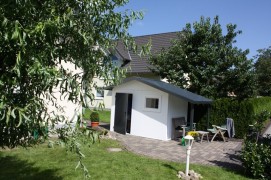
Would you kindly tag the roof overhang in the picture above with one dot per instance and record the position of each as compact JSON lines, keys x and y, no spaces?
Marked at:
{"x":171,"y":89}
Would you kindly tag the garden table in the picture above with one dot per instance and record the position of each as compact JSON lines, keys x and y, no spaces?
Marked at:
{"x":202,"y":133}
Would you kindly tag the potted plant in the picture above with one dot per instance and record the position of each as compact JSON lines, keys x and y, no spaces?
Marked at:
{"x":94,"y":118}
{"x":194,"y":134}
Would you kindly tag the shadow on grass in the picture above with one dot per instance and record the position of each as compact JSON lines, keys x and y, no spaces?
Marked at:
{"x":170,"y":167}
{"x":13,"y":168}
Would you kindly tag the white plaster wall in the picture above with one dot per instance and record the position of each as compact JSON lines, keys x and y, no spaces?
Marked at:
{"x":177,"y":107}
{"x":106,"y":100}
{"x":145,"y":123}
{"x":112,"y":114}
{"x":69,"y":110}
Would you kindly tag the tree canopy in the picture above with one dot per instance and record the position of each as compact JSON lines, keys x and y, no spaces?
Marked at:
{"x":37,"y":39}
{"x":263,"y":71}
{"x":204,"y":60}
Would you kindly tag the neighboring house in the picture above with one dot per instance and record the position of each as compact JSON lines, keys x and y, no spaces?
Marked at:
{"x":135,"y":65}
{"x":146,"y":107}
{"x":68,"y":110}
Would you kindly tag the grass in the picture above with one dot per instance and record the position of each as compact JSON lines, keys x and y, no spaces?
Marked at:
{"x":55,"y":163}
{"x":104,"y":115}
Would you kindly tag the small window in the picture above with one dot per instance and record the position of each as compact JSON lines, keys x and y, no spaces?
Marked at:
{"x":100,"y":93}
{"x":114,"y":58}
{"x":152,"y":103}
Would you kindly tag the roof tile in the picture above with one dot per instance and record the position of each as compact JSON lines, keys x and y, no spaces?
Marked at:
{"x":140,"y":64}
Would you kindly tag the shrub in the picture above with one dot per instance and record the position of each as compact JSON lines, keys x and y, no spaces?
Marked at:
{"x":256,"y":153}
{"x":94,"y":116}
{"x":256,"y":159}
{"x":242,"y":112}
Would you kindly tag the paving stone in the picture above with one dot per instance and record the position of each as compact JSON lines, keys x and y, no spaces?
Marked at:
{"x":217,"y":153}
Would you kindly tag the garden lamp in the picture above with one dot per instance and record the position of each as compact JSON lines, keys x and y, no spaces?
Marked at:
{"x":189,"y":140}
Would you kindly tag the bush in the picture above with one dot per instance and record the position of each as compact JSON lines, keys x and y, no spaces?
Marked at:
{"x":240,"y":111}
{"x":94,"y":116}
{"x":256,"y":154}
{"x":256,"y":158}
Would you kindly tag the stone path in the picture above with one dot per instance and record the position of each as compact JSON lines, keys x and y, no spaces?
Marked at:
{"x":219,"y":153}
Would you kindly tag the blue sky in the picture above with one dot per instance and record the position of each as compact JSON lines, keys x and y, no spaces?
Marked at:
{"x":253,"y":17}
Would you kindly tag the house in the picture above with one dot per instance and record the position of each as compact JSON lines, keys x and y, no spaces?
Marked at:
{"x":133,"y":63}
{"x":62,"y":106}
{"x":145,"y":107}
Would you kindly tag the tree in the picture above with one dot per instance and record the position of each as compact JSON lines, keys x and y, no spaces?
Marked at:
{"x":204,"y":61}
{"x":38,"y":38}
{"x":263,"y":71}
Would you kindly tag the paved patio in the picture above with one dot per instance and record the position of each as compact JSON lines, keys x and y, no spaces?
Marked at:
{"x":218,"y":153}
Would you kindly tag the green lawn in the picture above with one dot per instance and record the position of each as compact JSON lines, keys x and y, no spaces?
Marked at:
{"x":104,"y":115}
{"x":55,"y":163}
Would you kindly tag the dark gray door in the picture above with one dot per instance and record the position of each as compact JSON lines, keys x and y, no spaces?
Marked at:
{"x":123,"y":107}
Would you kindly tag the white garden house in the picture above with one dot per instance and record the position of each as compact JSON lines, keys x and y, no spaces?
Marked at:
{"x":145,"y":107}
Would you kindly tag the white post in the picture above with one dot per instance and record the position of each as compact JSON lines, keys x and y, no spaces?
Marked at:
{"x":188,"y":150}
{"x":187,"y":160}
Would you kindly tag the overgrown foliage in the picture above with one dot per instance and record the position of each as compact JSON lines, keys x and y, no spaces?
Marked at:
{"x":50,"y":49}
{"x":259,"y":124}
{"x":51,"y":46}
{"x":205,"y":61}
{"x":256,"y":159}
{"x":256,"y":153}
{"x":244,"y":113}
{"x":263,"y":71}
{"x":74,"y":140}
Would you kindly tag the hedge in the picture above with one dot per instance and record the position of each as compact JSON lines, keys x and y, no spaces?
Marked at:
{"x":242,"y":112}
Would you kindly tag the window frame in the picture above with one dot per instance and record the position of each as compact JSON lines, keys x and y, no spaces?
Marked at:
{"x":97,"y":91}
{"x":152,"y":109}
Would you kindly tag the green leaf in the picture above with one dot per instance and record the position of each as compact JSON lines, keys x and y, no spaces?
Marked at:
{"x":8,"y":115}
{"x":4,"y":22}
{"x":25,"y":117}
{"x":95,"y":137}
{"x":81,"y":154}
{"x":13,"y":113}
{"x":16,"y":32}
{"x":78,"y":164}
{"x":20,"y":119}
{"x":3,"y":115}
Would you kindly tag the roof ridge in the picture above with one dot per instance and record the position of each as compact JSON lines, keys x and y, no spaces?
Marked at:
{"x":156,"y":34}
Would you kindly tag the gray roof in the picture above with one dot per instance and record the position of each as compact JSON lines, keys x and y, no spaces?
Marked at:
{"x":172,"y":89}
{"x":139,"y":64}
